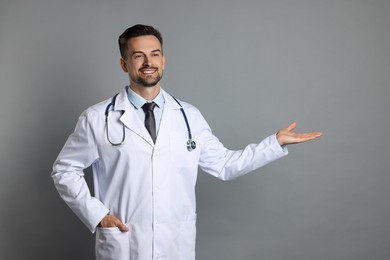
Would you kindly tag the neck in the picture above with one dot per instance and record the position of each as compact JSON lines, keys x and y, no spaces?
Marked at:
{"x":148,"y":93}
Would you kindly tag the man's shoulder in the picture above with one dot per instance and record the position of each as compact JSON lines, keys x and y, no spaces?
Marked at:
{"x":98,"y":108}
{"x":180,"y":103}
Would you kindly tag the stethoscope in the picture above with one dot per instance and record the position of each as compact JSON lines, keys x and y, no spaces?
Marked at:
{"x":191,"y":145}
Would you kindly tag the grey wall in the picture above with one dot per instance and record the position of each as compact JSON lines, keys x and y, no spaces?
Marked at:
{"x":325,"y":64}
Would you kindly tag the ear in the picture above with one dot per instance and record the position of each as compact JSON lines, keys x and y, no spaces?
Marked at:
{"x":123,"y":65}
{"x":163,"y":64}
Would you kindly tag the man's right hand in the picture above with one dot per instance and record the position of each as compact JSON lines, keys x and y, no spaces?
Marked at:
{"x":111,"y":221}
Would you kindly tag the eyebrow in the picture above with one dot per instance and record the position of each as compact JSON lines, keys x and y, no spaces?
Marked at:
{"x":135,"y":52}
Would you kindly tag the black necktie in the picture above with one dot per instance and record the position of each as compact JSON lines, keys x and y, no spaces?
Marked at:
{"x":150,"y":122}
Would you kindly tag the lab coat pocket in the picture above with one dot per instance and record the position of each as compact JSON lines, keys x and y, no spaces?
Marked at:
{"x":179,"y":153}
{"x":111,"y":243}
{"x":188,"y":237}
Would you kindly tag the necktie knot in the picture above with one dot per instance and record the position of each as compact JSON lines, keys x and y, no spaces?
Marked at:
{"x":149,"y":106}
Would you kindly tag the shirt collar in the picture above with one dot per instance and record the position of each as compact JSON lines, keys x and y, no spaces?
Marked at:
{"x":137,"y":101}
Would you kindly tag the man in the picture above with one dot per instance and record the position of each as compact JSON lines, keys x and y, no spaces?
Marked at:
{"x":144,"y":163}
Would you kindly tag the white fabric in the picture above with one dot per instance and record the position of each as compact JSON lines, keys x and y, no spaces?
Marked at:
{"x":150,"y":187}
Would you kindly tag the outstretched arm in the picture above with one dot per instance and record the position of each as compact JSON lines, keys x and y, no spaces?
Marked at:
{"x":287,"y":136}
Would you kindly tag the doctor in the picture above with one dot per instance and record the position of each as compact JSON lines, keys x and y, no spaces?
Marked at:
{"x":143,"y":169}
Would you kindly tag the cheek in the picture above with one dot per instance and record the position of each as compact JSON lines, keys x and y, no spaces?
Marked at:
{"x":134,"y":67}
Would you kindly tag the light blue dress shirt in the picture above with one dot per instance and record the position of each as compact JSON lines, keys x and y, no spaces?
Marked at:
{"x":137,"y":101}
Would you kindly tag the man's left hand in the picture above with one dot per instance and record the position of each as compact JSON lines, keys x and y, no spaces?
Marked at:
{"x":287,"y":136}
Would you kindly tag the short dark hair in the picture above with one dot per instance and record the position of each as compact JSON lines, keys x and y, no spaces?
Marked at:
{"x":135,"y":31}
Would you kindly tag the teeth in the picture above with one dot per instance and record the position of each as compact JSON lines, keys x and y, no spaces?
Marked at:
{"x":148,"y":71}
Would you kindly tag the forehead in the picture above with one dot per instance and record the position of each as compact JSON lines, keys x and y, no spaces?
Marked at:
{"x":145,"y":43}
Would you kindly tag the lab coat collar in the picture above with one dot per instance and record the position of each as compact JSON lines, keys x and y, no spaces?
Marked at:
{"x":170,"y":102}
{"x":122,"y":102}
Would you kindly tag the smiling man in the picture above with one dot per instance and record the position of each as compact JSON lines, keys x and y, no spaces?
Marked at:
{"x":143,"y":60}
{"x":145,"y":148}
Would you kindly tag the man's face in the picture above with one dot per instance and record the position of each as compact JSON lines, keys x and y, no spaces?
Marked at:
{"x":144,"y":61}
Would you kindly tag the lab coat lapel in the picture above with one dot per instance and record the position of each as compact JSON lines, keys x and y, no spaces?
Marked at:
{"x":167,"y":118}
{"x":130,"y":118}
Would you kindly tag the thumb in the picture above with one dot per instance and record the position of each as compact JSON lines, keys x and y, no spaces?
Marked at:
{"x":291,"y":126}
{"x":122,"y":227}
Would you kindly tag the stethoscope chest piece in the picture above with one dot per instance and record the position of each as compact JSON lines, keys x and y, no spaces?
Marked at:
{"x":191,"y":145}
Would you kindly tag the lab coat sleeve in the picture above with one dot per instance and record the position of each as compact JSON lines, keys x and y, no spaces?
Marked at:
{"x":78,"y":153}
{"x":227,"y":164}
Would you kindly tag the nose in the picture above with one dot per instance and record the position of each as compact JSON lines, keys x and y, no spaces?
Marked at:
{"x":147,"y":61}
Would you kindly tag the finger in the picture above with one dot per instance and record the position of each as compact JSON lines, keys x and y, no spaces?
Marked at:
{"x":309,"y":136}
{"x":122,"y":227}
{"x":317,"y":134}
{"x":313,"y":134}
{"x":119,"y":224}
{"x":292,"y":126}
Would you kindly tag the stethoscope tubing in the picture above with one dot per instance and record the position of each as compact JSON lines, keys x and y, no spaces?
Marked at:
{"x":191,"y":145}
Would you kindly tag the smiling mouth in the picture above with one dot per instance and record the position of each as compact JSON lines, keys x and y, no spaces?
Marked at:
{"x":148,"y":71}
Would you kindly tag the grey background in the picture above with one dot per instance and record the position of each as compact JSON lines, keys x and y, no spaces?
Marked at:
{"x":324,"y":64}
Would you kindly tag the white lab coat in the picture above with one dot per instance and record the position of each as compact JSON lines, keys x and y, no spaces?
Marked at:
{"x":150,"y":187}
